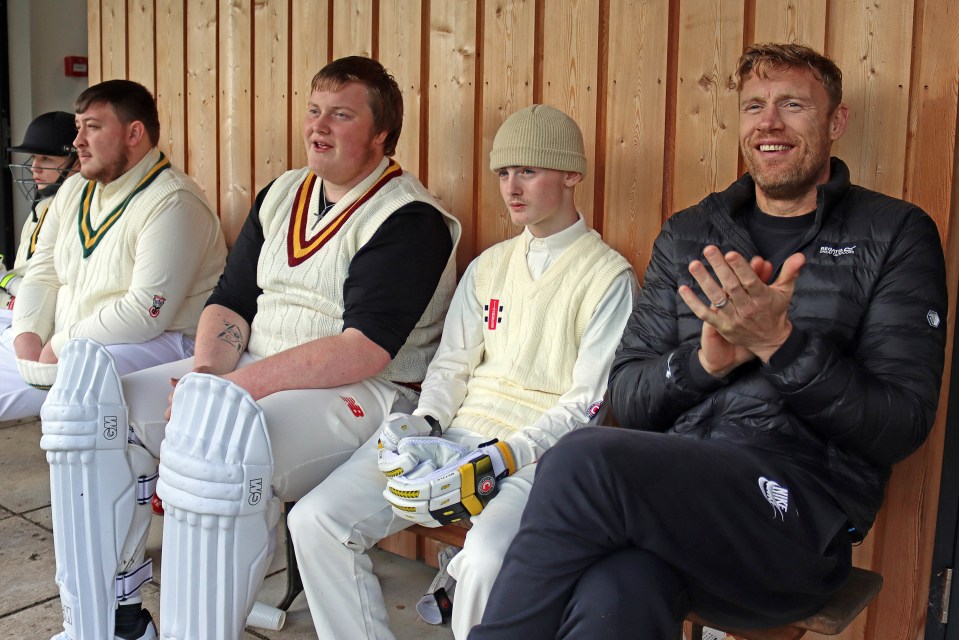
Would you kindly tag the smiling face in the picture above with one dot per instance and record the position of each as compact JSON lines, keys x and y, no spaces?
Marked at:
{"x":342,"y":147}
{"x":540,"y":199}
{"x":786,"y":131}
{"x":103,"y":143}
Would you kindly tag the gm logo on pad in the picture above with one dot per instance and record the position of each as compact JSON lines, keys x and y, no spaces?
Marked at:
{"x":256,"y":491}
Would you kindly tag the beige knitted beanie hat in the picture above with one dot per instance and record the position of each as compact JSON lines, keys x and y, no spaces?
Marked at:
{"x":539,"y":136}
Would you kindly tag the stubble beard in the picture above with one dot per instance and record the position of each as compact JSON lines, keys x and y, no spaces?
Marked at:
{"x":109,"y":171}
{"x":791,"y":182}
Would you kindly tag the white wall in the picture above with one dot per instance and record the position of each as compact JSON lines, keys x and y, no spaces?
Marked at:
{"x":42,"y":33}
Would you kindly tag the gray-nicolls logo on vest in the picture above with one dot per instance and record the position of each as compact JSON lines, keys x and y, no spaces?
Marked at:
{"x":933,"y":319}
{"x":109,"y":427}
{"x":256,"y":491}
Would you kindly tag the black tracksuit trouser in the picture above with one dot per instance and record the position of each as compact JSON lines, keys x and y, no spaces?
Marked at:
{"x":626,"y":531}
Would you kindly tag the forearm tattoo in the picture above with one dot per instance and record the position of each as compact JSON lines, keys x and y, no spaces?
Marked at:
{"x":232,"y":336}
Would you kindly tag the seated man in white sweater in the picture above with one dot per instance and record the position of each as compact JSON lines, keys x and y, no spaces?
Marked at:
{"x":524,"y":358}
{"x":324,"y":321}
{"x":127,"y":255}
{"x":49,"y":143}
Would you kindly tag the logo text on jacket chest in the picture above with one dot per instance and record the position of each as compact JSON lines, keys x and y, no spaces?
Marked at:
{"x":838,"y":251}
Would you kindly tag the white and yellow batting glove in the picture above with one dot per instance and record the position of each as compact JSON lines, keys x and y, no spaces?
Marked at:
{"x":395,"y":428}
{"x":434,"y":494}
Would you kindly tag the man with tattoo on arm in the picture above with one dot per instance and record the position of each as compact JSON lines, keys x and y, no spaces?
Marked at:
{"x":322,"y":324}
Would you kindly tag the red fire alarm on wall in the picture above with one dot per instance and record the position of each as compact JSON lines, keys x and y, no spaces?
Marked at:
{"x":75,"y":66}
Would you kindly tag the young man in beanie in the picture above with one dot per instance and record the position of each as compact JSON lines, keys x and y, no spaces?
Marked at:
{"x":524,"y":358}
{"x":49,"y":143}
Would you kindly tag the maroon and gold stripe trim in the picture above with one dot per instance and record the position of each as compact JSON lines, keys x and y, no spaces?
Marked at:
{"x":299,"y":248}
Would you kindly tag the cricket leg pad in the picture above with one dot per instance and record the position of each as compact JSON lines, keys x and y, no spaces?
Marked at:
{"x":216,"y":466}
{"x":92,"y":487}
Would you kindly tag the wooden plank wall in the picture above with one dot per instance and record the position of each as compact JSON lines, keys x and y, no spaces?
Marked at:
{"x":649,"y":81}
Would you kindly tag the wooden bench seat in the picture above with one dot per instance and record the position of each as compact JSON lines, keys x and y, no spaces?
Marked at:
{"x":451,"y":534}
{"x":847,"y":603}
{"x":832,"y":619}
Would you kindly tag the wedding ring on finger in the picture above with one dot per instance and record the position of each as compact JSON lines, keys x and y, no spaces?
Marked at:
{"x":722,"y":303}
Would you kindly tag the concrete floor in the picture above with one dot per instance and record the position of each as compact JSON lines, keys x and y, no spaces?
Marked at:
{"x":29,"y":600}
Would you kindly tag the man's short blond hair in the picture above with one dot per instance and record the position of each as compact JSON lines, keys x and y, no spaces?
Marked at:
{"x":760,"y":58}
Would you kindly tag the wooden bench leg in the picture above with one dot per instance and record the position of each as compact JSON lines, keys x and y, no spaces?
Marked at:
{"x":697,"y":632}
{"x":294,"y":584}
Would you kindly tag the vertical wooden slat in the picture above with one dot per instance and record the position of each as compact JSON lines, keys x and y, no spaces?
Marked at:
{"x":236,"y":116}
{"x":310,"y":42}
{"x":352,"y":28}
{"x":932,"y":117}
{"x":171,"y":79}
{"x":802,"y":22}
{"x":271,"y":83}
{"x":451,"y":114}
{"x":113,"y":18}
{"x":94,"y":43}
{"x":570,"y":78}
{"x":707,"y":107}
{"x":913,"y":492}
{"x":507,"y":87}
{"x":873,"y":51}
{"x":635,"y":126}
{"x":201,"y":91}
{"x":142,"y":45}
{"x":400,"y":52}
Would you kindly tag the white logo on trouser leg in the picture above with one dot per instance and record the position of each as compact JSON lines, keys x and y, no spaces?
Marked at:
{"x":776,"y":494}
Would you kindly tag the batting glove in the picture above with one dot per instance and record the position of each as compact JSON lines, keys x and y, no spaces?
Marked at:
{"x":9,"y":281}
{"x":434,"y":494}
{"x":395,"y":428}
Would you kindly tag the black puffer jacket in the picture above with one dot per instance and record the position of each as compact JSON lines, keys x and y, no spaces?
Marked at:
{"x":860,"y":388}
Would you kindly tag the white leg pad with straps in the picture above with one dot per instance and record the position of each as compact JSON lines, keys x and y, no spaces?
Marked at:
{"x":216,"y":466}
{"x":92,"y":488}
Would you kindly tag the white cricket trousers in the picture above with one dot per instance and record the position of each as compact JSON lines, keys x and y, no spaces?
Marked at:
{"x":312,"y":431}
{"x":335,"y":525}
{"x":20,"y":400}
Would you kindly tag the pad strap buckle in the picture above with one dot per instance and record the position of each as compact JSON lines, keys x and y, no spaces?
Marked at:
{"x":128,"y":584}
{"x":146,"y":487}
